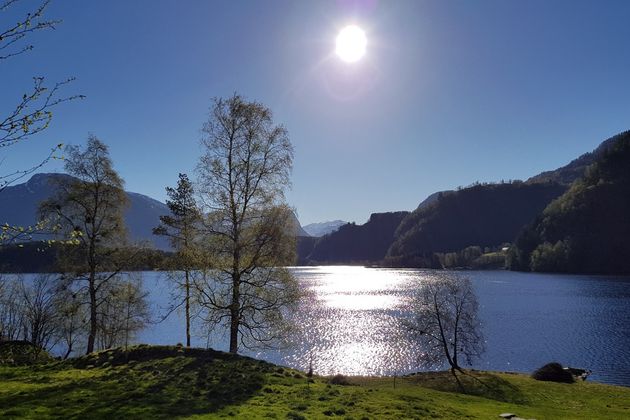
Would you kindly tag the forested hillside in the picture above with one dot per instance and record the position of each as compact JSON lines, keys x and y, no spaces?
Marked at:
{"x":586,"y":230}
{"x":576,"y":168}
{"x":484,"y":215}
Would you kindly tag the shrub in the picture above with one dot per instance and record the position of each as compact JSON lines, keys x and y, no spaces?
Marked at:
{"x":339,"y":380}
{"x":15,"y":353}
{"x":553,"y":372}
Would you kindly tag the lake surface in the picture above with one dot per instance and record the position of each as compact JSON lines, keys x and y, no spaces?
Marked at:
{"x":350,"y":323}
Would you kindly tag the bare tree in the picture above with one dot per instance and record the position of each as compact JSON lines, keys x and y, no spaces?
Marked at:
{"x":72,"y":323}
{"x":241,"y":181}
{"x":11,"y":313}
{"x":444,"y":320}
{"x":182,"y":228}
{"x":89,"y":206}
{"x":28,"y":310}
{"x":124,"y":312}
{"x":41,"y":318}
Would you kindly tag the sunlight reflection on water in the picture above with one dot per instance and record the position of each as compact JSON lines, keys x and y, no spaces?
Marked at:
{"x":350,"y":326}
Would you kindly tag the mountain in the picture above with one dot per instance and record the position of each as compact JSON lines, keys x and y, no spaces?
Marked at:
{"x":575,"y":169}
{"x":323,"y":228}
{"x":19,"y":204}
{"x":294,"y":225}
{"x":432,"y":199}
{"x":484,"y":215}
{"x":587,"y":229}
{"x":353,"y":243}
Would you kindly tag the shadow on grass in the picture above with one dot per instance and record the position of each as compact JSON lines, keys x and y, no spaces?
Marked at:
{"x":470,"y":382}
{"x":160,"y":382}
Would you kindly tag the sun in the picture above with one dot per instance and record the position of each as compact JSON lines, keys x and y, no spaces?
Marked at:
{"x":351,"y":43}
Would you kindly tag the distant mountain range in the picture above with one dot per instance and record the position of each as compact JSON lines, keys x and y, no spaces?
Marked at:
{"x":323,"y":228}
{"x":19,"y":204}
{"x":548,"y":218}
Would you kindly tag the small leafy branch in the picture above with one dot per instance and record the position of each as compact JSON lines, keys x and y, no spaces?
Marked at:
{"x":33,"y":112}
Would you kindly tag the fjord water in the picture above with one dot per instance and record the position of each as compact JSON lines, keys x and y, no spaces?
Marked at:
{"x":349,"y":322}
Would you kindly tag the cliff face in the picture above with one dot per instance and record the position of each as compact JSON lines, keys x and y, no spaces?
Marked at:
{"x":351,"y":243}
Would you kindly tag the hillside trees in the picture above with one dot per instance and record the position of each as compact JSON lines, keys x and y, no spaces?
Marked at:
{"x":182,"y":228}
{"x":242,"y":176}
{"x":586,"y":229}
{"x":481,"y":215}
{"x":89,"y":207}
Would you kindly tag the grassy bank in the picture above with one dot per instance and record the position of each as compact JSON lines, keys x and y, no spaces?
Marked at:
{"x":167,"y":382}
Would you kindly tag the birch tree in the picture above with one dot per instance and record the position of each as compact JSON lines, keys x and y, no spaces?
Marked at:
{"x":444,"y":319}
{"x":89,"y":207}
{"x":242,"y":176}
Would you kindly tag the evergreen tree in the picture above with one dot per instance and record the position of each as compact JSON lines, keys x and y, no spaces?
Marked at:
{"x":181,"y":227}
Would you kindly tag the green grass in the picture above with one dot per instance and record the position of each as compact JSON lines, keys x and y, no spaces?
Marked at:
{"x":172,"y":382}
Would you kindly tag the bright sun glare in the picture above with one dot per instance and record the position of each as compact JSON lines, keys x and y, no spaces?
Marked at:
{"x":351,"y":43}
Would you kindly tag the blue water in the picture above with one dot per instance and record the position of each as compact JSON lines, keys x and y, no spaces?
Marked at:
{"x":349,"y":324}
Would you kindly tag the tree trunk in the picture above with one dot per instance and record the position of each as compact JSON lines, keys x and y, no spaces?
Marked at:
{"x":93,"y":320}
{"x":234,"y":316}
{"x":65,"y":356}
{"x":187,"y":309}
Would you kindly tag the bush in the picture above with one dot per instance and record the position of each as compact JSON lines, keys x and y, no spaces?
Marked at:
{"x":339,"y":380}
{"x":16,"y":353}
{"x":553,"y":372}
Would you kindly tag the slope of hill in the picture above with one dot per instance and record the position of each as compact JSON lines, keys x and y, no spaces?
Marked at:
{"x":432,"y":198}
{"x":323,"y":228}
{"x":576,"y":168}
{"x":165,"y":382}
{"x":357,"y":243}
{"x":19,"y":204}
{"x":587,"y":229}
{"x":484,"y":215}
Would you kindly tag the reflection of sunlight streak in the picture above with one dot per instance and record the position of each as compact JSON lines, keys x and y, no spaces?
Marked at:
{"x":357,"y":302}
{"x":350,"y":323}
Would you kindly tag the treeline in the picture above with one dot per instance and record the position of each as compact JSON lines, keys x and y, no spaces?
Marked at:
{"x":49,"y":313}
{"x":587,"y":229}
{"x":474,"y":257}
{"x":45,"y":257}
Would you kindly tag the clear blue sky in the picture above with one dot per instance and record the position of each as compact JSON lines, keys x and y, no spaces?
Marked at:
{"x":449,"y":92}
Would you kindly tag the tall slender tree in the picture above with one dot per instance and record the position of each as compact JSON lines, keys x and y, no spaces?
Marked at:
{"x":182,"y":228}
{"x":89,"y":206}
{"x":241,"y":181}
